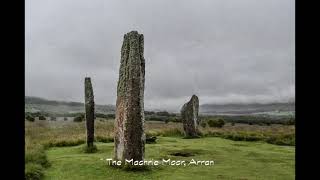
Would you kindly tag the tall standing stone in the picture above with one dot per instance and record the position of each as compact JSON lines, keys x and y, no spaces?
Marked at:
{"x":189,"y":115}
{"x":89,"y":111}
{"x":129,"y":123}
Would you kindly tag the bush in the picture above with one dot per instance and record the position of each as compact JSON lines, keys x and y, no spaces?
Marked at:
{"x":203,"y":124}
{"x":78,"y":118}
{"x":232,"y":124}
{"x":104,"y":139}
{"x":35,"y":161}
{"x":154,"y":118}
{"x":290,"y":122}
{"x":36,"y":155}
{"x":216,"y":123}
{"x":167,"y":132}
{"x":64,"y":143}
{"x":33,"y":171}
{"x":176,"y":119}
{"x":65,"y":118}
{"x":166,"y":120}
{"x":53,"y":118}
{"x":149,"y":112}
{"x":151,"y":139}
{"x":287,"y":139}
{"x":254,"y":119}
{"x":110,"y":116}
{"x":42,"y":118}
{"x":30,"y":118}
{"x":105,"y":116}
{"x":162,"y":113}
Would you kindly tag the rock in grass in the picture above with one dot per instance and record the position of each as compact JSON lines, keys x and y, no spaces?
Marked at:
{"x":129,"y":122}
{"x":189,"y":115}
{"x":89,"y":112}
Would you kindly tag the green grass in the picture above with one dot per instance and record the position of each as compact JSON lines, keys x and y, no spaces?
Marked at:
{"x":233,"y":160}
{"x":43,"y":135}
{"x":33,"y":171}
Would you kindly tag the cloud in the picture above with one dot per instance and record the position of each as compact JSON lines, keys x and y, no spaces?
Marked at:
{"x":223,"y":51}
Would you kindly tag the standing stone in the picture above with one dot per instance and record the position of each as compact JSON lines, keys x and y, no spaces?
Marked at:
{"x":189,"y":115}
{"x":89,"y":110}
{"x":129,"y":123}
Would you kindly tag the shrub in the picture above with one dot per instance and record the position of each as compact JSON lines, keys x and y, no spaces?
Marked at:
{"x":150,"y":139}
{"x":63,"y":143}
{"x":36,"y":155}
{"x":30,"y":118}
{"x":105,"y":116}
{"x":221,"y":122}
{"x":111,"y":116}
{"x":154,"y":118}
{"x":290,"y":122}
{"x":166,"y":132}
{"x":149,"y":112}
{"x":232,"y":124}
{"x":65,"y":118}
{"x":287,"y":139}
{"x":216,"y":123}
{"x":53,"y":118}
{"x":175,"y":119}
{"x":166,"y":120}
{"x":203,"y":124}
{"x":33,"y":171}
{"x":35,"y":161}
{"x":104,"y":139}
{"x":78,"y":118}
{"x":42,"y":118}
{"x":162,"y":113}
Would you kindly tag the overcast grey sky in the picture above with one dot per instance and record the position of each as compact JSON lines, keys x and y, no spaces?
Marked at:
{"x":225,"y":51}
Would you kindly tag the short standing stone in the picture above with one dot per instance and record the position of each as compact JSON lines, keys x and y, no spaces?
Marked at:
{"x":129,"y":122}
{"x":189,"y":115}
{"x":89,"y":111}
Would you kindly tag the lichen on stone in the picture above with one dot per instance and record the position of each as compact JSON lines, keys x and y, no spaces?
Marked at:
{"x":89,"y":111}
{"x":190,"y":119}
{"x":129,"y":122}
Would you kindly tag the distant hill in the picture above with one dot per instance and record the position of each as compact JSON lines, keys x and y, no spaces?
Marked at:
{"x":255,"y":108}
{"x":36,"y":104}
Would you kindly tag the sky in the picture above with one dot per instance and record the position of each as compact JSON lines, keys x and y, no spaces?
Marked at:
{"x":224,"y":51}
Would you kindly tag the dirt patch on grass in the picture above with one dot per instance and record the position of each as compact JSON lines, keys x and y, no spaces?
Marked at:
{"x":186,"y":152}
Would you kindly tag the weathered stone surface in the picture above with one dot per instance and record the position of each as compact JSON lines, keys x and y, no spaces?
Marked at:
{"x":89,"y":111}
{"x":189,"y":115}
{"x":129,"y":123}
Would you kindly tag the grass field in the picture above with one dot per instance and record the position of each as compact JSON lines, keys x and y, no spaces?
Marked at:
{"x":54,"y":151}
{"x":233,"y":160}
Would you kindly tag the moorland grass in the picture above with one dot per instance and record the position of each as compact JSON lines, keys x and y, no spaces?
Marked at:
{"x":90,"y":149}
{"x":43,"y":135}
{"x":33,"y":171}
{"x":66,"y":133}
{"x":35,"y":161}
{"x":232,"y":160}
